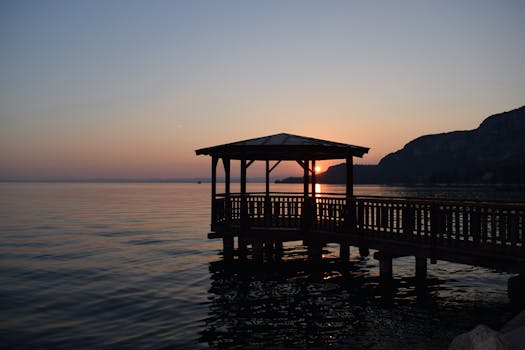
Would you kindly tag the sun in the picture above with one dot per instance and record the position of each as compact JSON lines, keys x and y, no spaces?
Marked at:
{"x":317,"y":169}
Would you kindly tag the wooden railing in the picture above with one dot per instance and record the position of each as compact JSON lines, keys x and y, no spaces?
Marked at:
{"x":277,"y":210}
{"x":440,"y":222}
{"x":444,"y":222}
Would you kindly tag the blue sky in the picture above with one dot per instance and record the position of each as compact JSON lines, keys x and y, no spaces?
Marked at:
{"x":131,"y":88}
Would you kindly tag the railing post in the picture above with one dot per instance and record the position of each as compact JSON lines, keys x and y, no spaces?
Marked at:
{"x":364,"y":225}
{"x":350,"y":216}
{"x":475,"y":225}
{"x":408,"y":220}
{"x":228,"y":210}
{"x":434,"y":227}
{"x":383,"y":218}
{"x":360,"y":214}
{"x":307,"y":214}
{"x":513,"y":229}
{"x":267,"y":211}
{"x":313,"y":213}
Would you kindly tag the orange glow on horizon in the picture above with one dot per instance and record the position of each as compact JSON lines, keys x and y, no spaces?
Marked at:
{"x":317,"y":169}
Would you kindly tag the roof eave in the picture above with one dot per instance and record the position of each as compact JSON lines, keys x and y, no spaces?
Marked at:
{"x":278,"y":152}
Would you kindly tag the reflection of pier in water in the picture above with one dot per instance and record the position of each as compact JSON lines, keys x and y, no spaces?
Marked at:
{"x":293,"y":303}
{"x":488,"y":234}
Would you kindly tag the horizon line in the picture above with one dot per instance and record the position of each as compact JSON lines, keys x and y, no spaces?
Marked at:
{"x":132,"y":180}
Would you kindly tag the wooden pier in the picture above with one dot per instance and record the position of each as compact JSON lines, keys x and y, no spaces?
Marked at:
{"x":480,"y":233}
{"x":489,"y":234}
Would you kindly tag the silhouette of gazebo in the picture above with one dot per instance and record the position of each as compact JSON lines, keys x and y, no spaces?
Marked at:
{"x":280,"y":147}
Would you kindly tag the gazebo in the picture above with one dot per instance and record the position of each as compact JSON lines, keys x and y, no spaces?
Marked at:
{"x":243,"y":211}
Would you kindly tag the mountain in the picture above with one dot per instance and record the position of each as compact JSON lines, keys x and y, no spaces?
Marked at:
{"x":492,"y":153}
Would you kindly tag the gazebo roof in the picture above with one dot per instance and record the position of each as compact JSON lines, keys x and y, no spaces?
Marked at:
{"x":284,"y":147}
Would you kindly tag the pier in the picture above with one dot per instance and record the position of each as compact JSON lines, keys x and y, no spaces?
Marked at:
{"x":481,"y":233}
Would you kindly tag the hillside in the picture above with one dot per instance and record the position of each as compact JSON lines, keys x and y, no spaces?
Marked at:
{"x":492,"y":153}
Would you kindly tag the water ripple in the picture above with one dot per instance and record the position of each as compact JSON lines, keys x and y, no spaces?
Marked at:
{"x":87,"y":266}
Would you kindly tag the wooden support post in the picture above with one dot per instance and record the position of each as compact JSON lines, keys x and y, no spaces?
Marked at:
{"x":313,"y":179}
{"x":385,"y":275}
{"x":267,"y":177}
{"x":267,"y":200}
{"x":344,"y":252}
{"x":408,"y":220}
{"x":315,"y":251}
{"x":435,"y":229}
{"x":421,"y":267}
{"x":306,"y":217}
{"x":279,"y":251}
{"x":244,"y":200}
{"x":350,"y":217}
{"x":227,"y":191}
{"x":268,"y":248}
{"x":313,"y":201}
{"x":214,"y":161}
{"x":516,"y":290}
{"x":227,"y":177}
{"x":385,"y":266}
{"x":227,"y":242}
{"x":258,"y":253}
{"x":363,"y":251}
{"x":243,"y":247}
{"x":306,"y":178}
{"x":475,"y":225}
{"x":227,"y":239}
{"x":349,"y":176}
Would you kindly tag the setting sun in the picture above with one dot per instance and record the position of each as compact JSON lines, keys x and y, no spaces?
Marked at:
{"x":317,"y":169}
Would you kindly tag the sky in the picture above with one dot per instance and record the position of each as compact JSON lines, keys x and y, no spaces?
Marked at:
{"x":130,"y":89}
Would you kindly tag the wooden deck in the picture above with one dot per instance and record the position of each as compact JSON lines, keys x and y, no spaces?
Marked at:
{"x":489,"y":234}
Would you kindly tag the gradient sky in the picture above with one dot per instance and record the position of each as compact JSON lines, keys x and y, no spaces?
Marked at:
{"x":132,"y":88}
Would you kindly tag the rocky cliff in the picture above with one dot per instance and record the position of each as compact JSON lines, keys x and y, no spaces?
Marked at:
{"x":492,"y":153}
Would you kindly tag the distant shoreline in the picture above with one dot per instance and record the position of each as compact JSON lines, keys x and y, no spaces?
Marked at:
{"x":197,"y":180}
{"x":107,"y":181}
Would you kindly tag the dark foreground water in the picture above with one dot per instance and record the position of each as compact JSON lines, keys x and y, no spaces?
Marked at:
{"x":129,"y":266}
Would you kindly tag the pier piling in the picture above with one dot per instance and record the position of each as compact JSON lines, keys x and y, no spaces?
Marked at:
{"x":363,"y":251}
{"x":315,"y":254}
{"x":516,"y":290}
{"x":344,"y":252}
{"x":385,"y":266}
{"x":421,"y":267}
{"x":228,"y":246}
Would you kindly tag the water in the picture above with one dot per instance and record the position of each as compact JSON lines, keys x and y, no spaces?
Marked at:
{"x":93,"y":265}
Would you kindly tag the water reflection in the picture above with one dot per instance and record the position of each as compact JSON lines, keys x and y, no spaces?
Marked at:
{"x":293,"y":304}
{"x":318,"y":190}
{"x":476,"y":192}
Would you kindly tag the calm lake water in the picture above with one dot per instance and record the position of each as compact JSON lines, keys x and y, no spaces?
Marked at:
{"x":97,"y":265}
